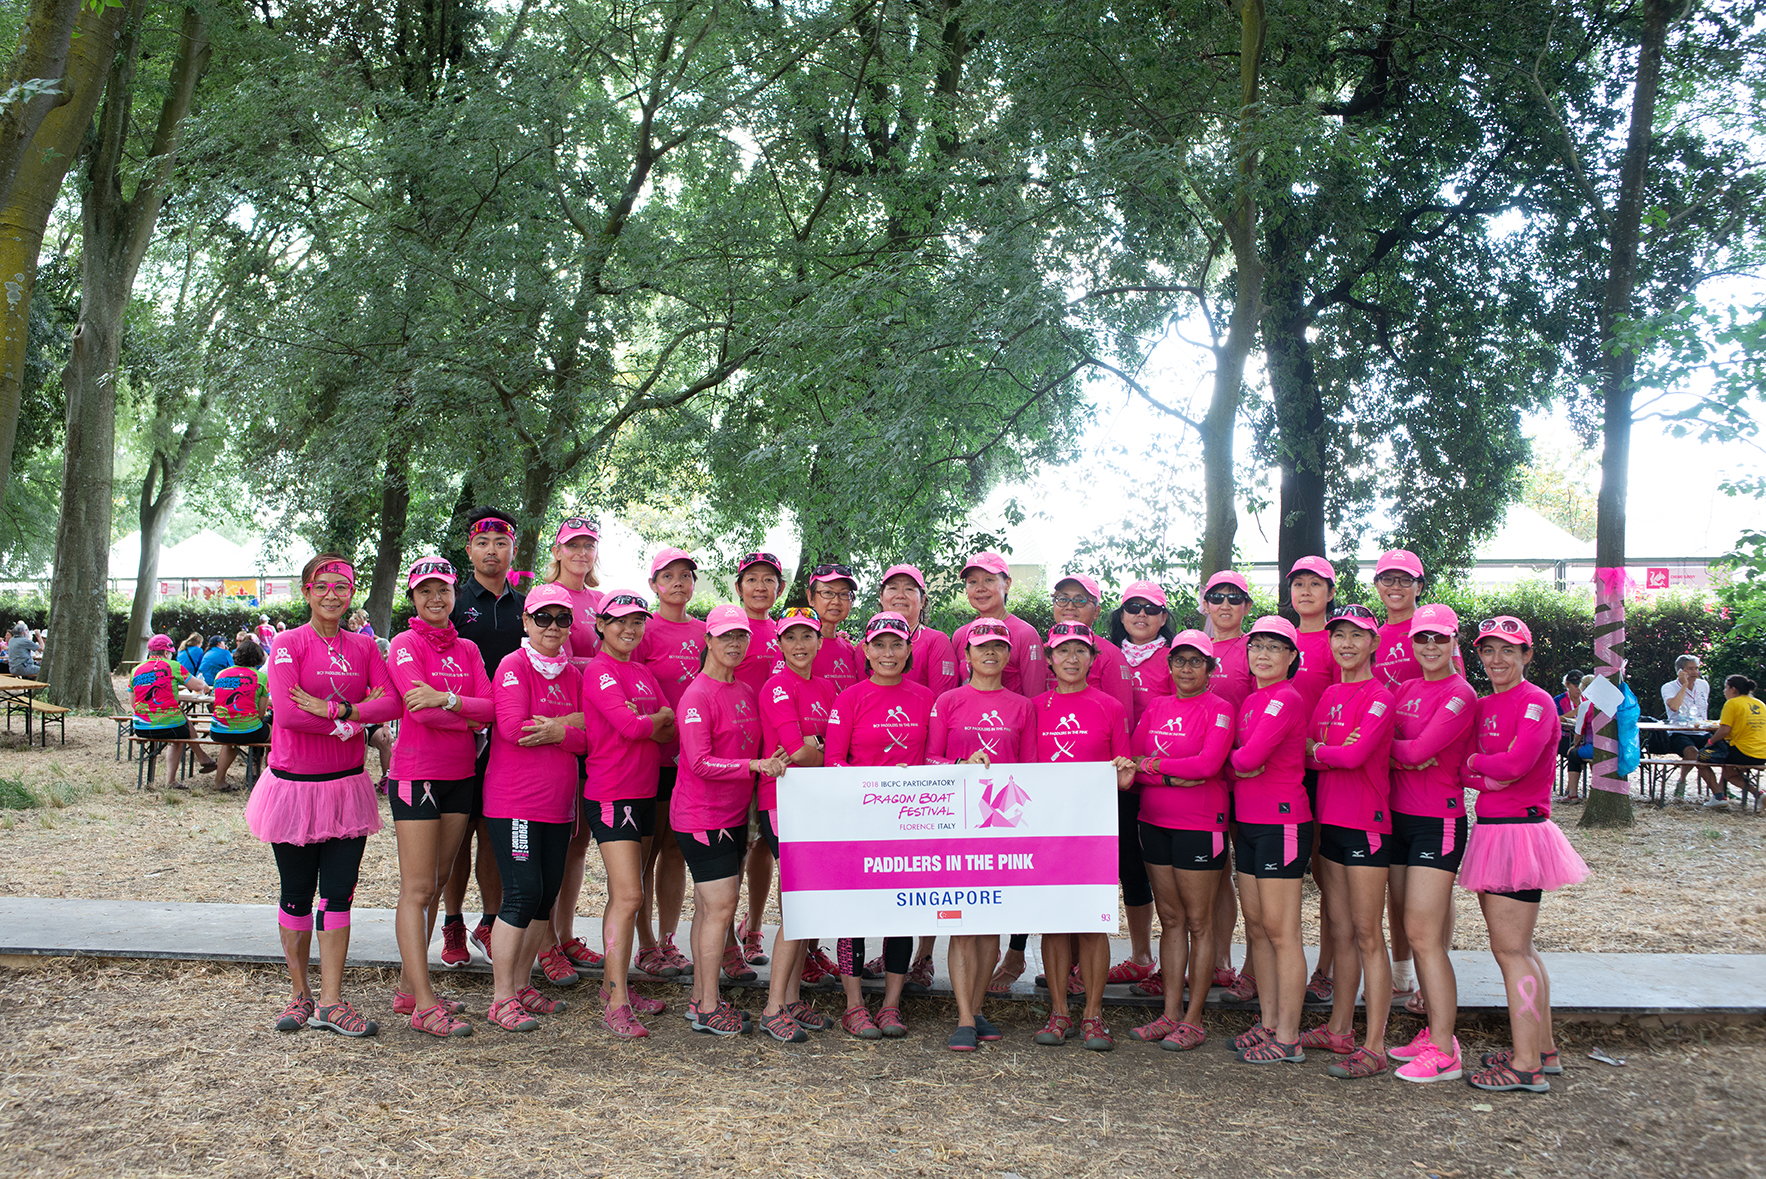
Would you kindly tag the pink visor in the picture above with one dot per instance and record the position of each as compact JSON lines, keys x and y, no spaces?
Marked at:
{"x":887,"y":622}
{"x":1399,"y":560}
{"x":159,"y":643}
{"x":990,"y":562}
{"x":426,"y":568}
{"x":724,"y":619}
{"x":621,"y":602}
{"x":1227,"y":577}
{"x":1149,"y":590}
{"x":1314,"y":565}
{"x":1505,"y":626}
{"x":1193,"y":638}
{"x":1085,"y":583}
{"x":1071,"y":632}
{"x":906,"y":571}
{"x":549,"y":594}
{"x":575,"y":526}
{"x":988,"y":631}
{"x":1435,"y":620}
{"x":668,"y":557}
{"x":1275,"y":624}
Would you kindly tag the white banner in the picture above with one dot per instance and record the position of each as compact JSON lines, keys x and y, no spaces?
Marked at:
{"x":882,"y":852}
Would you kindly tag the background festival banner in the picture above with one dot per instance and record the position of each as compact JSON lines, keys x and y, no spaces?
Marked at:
{"x":875,"y":851}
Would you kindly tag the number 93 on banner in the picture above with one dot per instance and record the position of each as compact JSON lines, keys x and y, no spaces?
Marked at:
{"x":874,"y":851}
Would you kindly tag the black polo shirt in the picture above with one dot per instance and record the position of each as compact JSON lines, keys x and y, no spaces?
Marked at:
{"x":491,"y":621}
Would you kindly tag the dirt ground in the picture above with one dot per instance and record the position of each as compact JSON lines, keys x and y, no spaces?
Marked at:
{"x":138,"y":1068}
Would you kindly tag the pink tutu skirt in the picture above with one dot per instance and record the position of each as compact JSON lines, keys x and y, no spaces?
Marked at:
{"x":286,"y":810}
{"x":1515,"y":857}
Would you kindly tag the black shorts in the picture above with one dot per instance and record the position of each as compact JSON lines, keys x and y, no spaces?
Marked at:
{"x":1527,"y":896}
{"x":257,"y":736}
{"x":719,"y":857}
{"x":630,"y":820}
{"x":1190,"y":851}
{"x":665,"y":784}
{"x":1273,"y":851}
{"x":768,"y":833}
{"x":1420,"y":841}
{"x":478,"y":769}
{"x":1310,"y":779}
{"x":1679,"y":743}
{"x":179,"y":732}
{"x":430,"y":798}
{"x":1354,"y":848}
{"x":1737,"y":758}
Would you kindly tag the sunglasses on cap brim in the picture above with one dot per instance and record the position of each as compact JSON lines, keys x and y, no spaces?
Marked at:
{"x":625,"y":600}
{"x":581,"y":524}
{"x":491,"y":525}
{"x":886,"y":626}
{"x":835,"y":570}
{"x":432,"y":569}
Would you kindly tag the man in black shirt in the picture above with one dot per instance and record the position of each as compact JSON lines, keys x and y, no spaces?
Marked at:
{"x":487,"y":610}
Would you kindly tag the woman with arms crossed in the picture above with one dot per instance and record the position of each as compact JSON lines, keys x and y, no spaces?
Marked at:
{"x":760,"y":577}
{"x":1312,"y":590}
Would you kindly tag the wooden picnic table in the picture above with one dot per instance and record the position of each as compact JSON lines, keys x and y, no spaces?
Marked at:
{"x":19,"y":695}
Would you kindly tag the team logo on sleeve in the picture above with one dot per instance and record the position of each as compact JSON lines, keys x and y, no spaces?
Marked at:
{"x":405,"y":656}
{"x":1377,"y":708}
{"x":1456,"y":705}
{"x":284,"y":655}
{"x":780,"y":695}
{"x":692,"y":717}
{"x":1274,"y":708}
{"x":510,"y":680}
{"x":1534,"y":712}
{"x":607,"y":681}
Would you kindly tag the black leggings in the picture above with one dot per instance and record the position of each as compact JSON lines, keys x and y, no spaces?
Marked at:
{"x":1131,"y":869}
{"x":328,"y":869}
{"x":530,"y":859}
{"x":898,"y":955}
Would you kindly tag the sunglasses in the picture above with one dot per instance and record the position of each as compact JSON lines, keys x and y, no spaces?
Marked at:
{"x":432,"y":569}
{"x":1361,"y":612}
{"x":803,"y":613}
{"x":1507,"y":626}
{"x":625,"y":600}
{"x":1139,"y":607}
{"x":1429,"y":639}
{"x":492,"y":525}
{"x":544,"y":619}
{"x":836,"y":570}
{"x":889,"y":625}
{"x":572,"y":523}
{"x":758,"y":558}
{"x":1217,"y":597}
{"x":1076,"y":630}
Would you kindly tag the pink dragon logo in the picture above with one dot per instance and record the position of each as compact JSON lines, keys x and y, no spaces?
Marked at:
{"x":1002,"y":806}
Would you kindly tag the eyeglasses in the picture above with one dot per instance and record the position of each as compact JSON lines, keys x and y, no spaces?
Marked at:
{"x":1429,"y":639}
{"x":1361,"y":612}
{"x":625,"y":600}
{"x":1070,"y":600}
{"x":544,"y":620}
{"x":801,"y":612}
{"x":832,"y":594}
{"x":1507,"y":626}
{"x":432,"y":569}
{"x":760,"y":558}
{"x":836,"y":570}
{"x":342,"y":589}
{"x":1219,"y":597}
{"x":1189,"y":662}
{"x":490,"y":524}
{"x":1268,"y":646}
{"x":1139,"y":607}
{"x":1395,"y":580}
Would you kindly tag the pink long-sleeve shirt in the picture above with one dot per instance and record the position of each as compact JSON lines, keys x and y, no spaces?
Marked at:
{"x":720,"y":734}
{"x":1435,"y":720}
{"x":1233,"y":682}
{"x":1185,"y":738}
{"x":1079,"y":726}
{"x":873,"y":725}
{"x":434,"y":743}
{"x":671,"y":651}
{"x":1150,"y":679}
{"x":1318,"y":667}
{"x":622,"y":762}
{"x":967,"y":720}
{"x":584,"y":640}
{"x":1354,"y":779}
{"x":791,"y":709}
{"x":763,"y":657}
{"x":1027,"y":673}
{"x":536,"y":783}
{"x":838,"y":661}
{"x":1515,"y":740}
{"x":935,"y":662}
{"x":1270,"y":733}
{"x":345,"y":667}
{"x":1109,"y":674}
{"x":1395,"y":662}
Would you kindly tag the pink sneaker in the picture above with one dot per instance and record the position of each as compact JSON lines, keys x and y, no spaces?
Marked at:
{"x":454,"y":952}
{"x":1413,"y":1049}
{"x":481,"y":937}
{"x":1432,"y":1064}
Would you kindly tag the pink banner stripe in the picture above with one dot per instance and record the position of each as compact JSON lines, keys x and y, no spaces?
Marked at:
{"x":907,"y":863}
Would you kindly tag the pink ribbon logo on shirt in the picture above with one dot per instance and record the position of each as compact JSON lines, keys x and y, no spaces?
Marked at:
{"x":997,"y":800}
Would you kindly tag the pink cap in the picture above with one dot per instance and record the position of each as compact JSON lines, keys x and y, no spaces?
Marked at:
{"x":1275,"y":624}
{"x":1149,"y":590}
{"x":1193,"y":638}
{"x":575,"y":526}
{"x":1089,"y":585}
{"x":1434,"y":619}
{"x":425,"y":568}
{"x":1069,"y":632}
{"x":991,"y":562}
{"x":549,"y":594}
{"x":1402,"y":560}
{"x":620,"y":602}
{"x":798,"y":616}
{"x":667,"y":557}
{"x":1317,"y":565}
{"x":986,"y":630}
{"x":724,"y":619}
{"x":759,"y":557}
{"x":887,"y":622}
{"x":1505,"y":626}
{"x":159,"y":643}
{"x":1226,"y":577}
{"x":1354,"y":615}
{"x":912,"y":571}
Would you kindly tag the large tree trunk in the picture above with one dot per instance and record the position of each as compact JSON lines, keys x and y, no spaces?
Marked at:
{"x":389,"y":553}
{"x":42,"y":58}
{"x":154,"y":513}
{"x":115,"y":232}
{"x":1220,"y":501}
{"x":1299,"y":409}
{"x":25,"y":212}
{"x":536,"y":504}
{"x":1609,"y":803}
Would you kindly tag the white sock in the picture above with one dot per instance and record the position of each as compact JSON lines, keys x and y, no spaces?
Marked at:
{"x":1402,"y":978}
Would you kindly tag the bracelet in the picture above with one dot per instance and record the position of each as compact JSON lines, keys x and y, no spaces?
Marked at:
{"x":331,"y":710}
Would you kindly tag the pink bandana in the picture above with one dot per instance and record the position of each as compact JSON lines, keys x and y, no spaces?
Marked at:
{"x":1135,"y":654}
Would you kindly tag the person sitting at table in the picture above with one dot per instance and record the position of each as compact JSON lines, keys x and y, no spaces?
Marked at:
{"x":1686,"y":700}
{"x":190,"y":654}
{"x":1574,"y":737}
{"x":215,"y":660}
{"x":242,"y":707}
{"x":1741,"y":731}
{"x":22,"y":652}
{"x":157,"y":684}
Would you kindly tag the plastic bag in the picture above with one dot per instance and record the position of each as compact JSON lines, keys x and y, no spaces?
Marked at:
{"x":1630,"y":746}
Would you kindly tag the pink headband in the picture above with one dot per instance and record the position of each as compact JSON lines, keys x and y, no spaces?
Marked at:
{"x":343,"y":568}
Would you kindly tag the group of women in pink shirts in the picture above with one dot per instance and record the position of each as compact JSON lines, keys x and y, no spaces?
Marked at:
{"x":1244,"y":757}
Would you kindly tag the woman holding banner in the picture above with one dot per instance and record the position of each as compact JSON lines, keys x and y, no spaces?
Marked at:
{"x":1076,"y":722}
{"x":880,"y":721}
{"x":981,"y":723}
